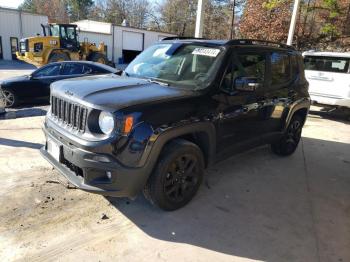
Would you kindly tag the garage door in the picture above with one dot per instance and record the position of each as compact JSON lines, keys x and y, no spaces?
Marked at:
{"x":132,"y":41}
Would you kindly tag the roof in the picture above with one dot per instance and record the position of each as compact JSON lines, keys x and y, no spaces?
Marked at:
{"x":87,"y":21}
{"x":107,"y":67}
{"x":233,"y":42}
{"x":329,"y":54}
{"x":62,"y":24}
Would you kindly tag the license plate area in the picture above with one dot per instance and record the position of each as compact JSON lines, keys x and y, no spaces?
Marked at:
{"x":54,"y":150}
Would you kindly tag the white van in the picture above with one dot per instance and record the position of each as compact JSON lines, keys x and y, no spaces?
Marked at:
{"x":328,"y":74}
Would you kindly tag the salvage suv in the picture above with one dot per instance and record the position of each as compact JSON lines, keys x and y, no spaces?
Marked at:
{"x":179,"y":107}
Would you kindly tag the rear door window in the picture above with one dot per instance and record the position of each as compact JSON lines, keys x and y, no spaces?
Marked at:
{"x":72,"y":69}
{"x":327,"y":64}
{"x":96,"y":70}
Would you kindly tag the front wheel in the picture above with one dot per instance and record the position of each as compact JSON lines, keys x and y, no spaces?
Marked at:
{"x":99,"y":58}
{"x":58,"y":57}
{"x":177,"y":175}
{"x":10,"y":98}
{"x":290,"y":140}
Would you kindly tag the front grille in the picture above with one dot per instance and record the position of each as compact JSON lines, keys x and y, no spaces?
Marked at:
{"x":69,"y":113}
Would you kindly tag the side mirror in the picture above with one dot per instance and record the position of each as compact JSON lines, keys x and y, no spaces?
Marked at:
{"x":119,"y":72}
{"x":247,"y":84}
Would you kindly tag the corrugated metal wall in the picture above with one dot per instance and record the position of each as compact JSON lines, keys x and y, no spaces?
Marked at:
{"x":97,"y":39}
{"x":18,"y":24}
{"x":31,"y":24}
{"x":9,"y":27}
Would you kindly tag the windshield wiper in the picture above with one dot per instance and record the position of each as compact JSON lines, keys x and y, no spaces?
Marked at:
{"x":151,"y":80}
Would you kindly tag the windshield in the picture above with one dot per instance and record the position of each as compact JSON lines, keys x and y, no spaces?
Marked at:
{"x":186,"y":65}
{"x":55,"y":30}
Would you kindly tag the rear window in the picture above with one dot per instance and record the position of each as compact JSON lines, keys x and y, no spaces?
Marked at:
{"x":327,"y":64}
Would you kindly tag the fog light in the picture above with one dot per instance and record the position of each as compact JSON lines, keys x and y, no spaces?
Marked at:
{"x":103,"y":159}
{"x":109,"y":175}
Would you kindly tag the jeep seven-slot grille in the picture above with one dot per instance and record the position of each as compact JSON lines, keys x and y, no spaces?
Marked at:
{"x":71,"y":114}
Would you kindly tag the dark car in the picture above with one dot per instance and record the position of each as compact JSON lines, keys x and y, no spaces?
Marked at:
{"x":179,"y":107}
{"x":37,"y":85}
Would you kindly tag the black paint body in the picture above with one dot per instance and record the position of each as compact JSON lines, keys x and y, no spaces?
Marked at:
{"x":221,"y":124}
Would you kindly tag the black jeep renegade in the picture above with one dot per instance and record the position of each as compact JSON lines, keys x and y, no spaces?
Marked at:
{"x":179,"y":107}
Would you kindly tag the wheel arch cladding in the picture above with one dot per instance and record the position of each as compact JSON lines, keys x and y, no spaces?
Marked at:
{"x":201,"y":134}
{"x":302,"y":112}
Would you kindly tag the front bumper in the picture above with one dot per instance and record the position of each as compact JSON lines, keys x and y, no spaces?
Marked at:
{"x":30,"y":58}
{"x":91,"y":172}
{"x":330,"y":100}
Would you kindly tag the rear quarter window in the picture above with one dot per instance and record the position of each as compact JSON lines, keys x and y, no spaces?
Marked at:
{"x":327,"y":64}
{"x":280,"y":69}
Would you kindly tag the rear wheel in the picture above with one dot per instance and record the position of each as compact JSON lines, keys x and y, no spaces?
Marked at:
{"x":177,"y":176}
{"x":10,"y":98}
{"x":99,"y":58}
{"x":290,"y":140}
{"x":58,"y":57}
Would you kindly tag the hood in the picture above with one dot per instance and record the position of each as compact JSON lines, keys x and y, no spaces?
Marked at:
{"x":15,"y":79}
{"x":112,"y":92}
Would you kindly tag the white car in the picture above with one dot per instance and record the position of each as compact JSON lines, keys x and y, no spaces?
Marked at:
{"x":328,"y":74}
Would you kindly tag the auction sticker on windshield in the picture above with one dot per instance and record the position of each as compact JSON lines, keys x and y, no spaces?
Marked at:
{"x":206,"y":51}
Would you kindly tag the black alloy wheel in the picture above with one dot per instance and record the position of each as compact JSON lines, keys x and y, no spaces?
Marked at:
{"x":10,"y":98}
{"x":182,"y":178}
{"x":177,"y":175}
{"x":290,"y":140}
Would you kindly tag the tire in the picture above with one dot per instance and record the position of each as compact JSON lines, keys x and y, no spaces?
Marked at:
{"x":99,"y":58}
{"x":58,"y":57}
{"x":290,"y":140}
{"x":11,"y":99}
{"x":177,"y":175}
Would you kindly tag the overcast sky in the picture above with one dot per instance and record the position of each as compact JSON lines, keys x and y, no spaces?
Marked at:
{"x":10,"y":3}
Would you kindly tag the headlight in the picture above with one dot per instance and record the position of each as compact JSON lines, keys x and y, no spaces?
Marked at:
{"x":106,"y":122}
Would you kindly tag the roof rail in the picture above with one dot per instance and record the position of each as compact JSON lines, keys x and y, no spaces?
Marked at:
{"x":181,"y":38}
{"x":257,"y":42}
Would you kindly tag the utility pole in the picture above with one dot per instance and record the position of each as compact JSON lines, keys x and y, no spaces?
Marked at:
{"x":199,"y":19}
{"x":293,"y":22}
{"x":233,"y":19}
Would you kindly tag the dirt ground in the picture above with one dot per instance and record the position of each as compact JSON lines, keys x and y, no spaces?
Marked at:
{"x":252,"y":207}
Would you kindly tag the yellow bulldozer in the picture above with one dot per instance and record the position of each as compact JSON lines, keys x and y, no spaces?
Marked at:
{"x":59,"y":43}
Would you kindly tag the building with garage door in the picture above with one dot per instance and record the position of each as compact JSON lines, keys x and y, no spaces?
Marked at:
{"x":127,"y":42}
{"x":14,"y":25}
{"x":123,"y":43}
